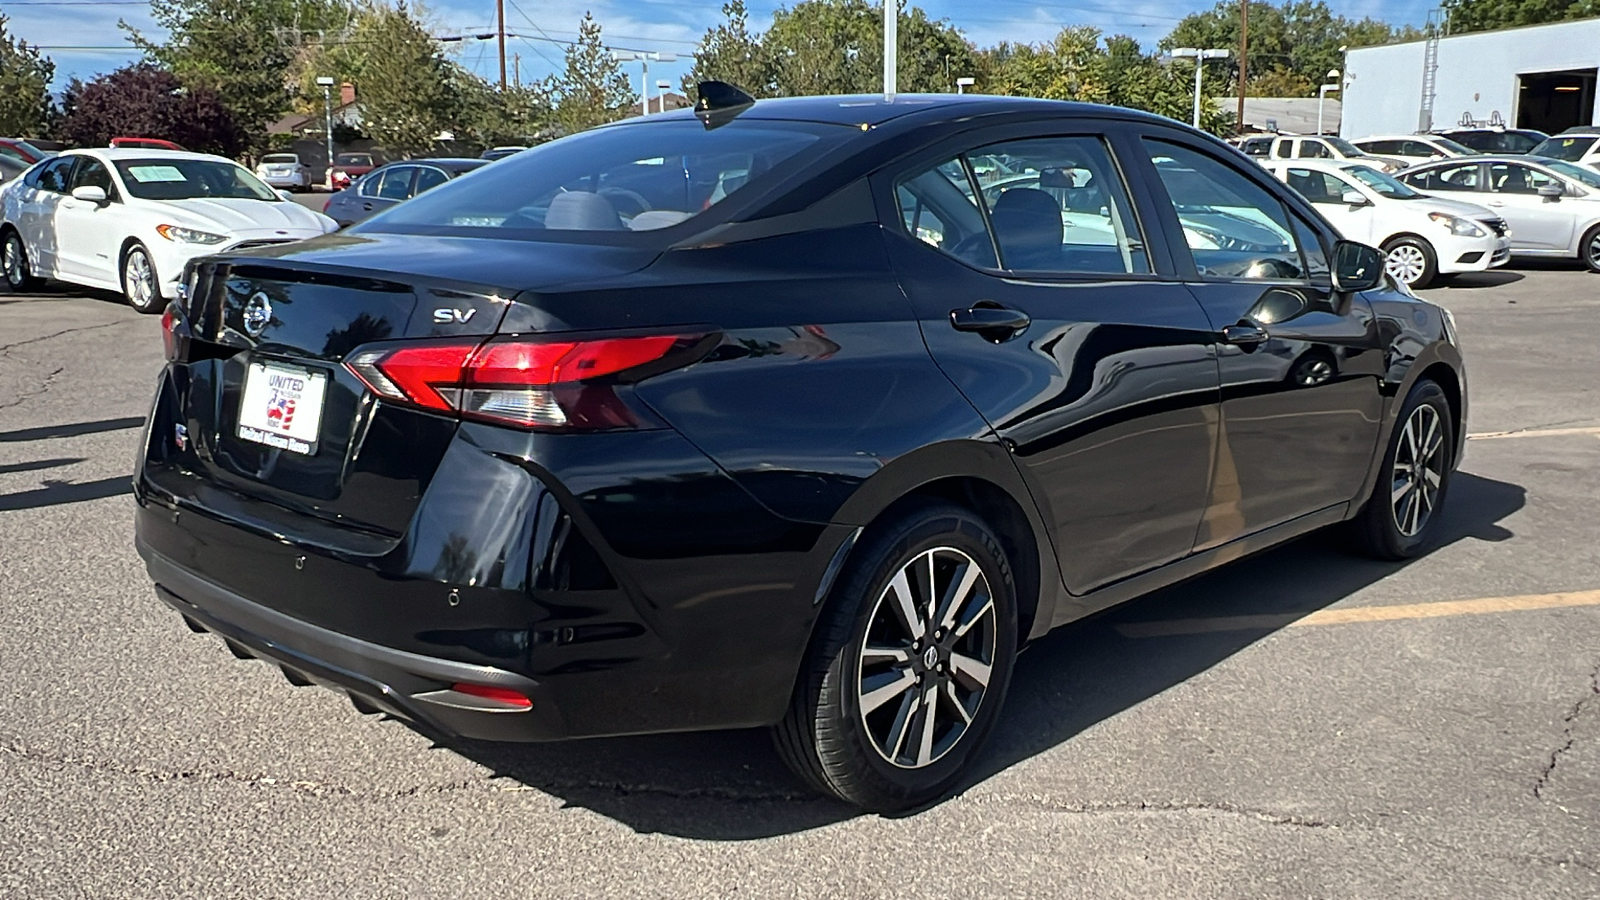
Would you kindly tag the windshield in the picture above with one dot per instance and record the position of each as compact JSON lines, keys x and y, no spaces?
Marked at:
{"x":352,"y":159}
{"x":188,"y":179}
{"x":637,"y":177}
{"x":1588,"y":176}
{"x":280,"y":158}
{"x":1454,"y":147}
{"x":1345,"y":147}
{"x":1570,"y":149}
{"x":1382,"y":183}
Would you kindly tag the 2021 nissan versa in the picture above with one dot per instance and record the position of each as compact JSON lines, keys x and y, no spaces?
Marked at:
{"x":780,"y":413}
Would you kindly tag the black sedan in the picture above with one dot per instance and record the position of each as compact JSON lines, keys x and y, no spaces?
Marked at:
{"x":781,"y":414}
{"x":393,"y":183}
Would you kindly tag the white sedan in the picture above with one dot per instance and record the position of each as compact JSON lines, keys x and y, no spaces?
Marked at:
{"x":1421,"y":237}
{"x":284,"y":170}
{"x":130,"y":219}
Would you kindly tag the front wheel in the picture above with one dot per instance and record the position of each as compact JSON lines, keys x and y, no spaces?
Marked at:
{"x":14,"y":257}
{"x":1401,"y":518}
{"x":1589,"y":249}
{"x":1411,"y":261}
{"x":139,"y":282}
{"x":909,"y":665}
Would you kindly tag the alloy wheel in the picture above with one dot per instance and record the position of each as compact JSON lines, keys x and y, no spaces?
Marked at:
{"x":1593,"y":250}
{"x":138,"y":279}
{"x":926,"y":660}
{"x":1406,"y":263}
{"x":1418,"y":471}
{"x":14,"y":264}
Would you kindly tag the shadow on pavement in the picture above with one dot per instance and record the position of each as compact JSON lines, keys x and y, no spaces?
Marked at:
{"x":1480,"y":280}
{"x":59,"y":492}
{"x":39,"y":464}
{"x":72,"y":430}
{"x":731,"y":786}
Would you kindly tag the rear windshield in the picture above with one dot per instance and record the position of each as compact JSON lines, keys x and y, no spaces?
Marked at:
{"x":352,"y":159}
{"x":280,"y":158}
{"x":1570,"y":149}
{"x":187,"y":179}
{"x":635,"y":177}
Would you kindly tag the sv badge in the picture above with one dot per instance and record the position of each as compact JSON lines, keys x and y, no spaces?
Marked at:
{"x":451,"y":316}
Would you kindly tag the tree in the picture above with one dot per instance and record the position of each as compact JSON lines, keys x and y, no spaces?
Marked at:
{"x":592,"y":90}
{"x":25,"y":77}
{"x":143,"y":99}
{"x":836,"y":47}
{"x":1483,"y":15}
{"x":409,"y":92}
{"x":239,"y":49}
{"x":731,"y":53}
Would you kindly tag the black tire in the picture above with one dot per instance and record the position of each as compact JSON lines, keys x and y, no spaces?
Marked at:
{"x":826,"y":738}
{"x":1589,"y":249}
{"x":145,"y":298}
{"x":1411,"y":260}
{"x":1383,"y":529}
{"x":14,"y":263}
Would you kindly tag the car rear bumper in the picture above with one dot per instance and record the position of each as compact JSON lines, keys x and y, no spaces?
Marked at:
{"x":377,"y":678}
{"x":290,"y":180}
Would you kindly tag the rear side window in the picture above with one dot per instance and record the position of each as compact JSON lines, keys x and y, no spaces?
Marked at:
{"x":1448,"y":178}
{"x":938,"y":207}
{"x":1235,"y":228}
{"x":1380,"y":146}
{"x":639,"y":176}
{"x":1314,"y":150}
{"x":429,"y":177}
{"x":395,"y":183}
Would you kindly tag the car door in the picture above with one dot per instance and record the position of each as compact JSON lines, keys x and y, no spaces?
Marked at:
{"x":428,"y":177}
{"x":1537,"y":223}
{"x":1300,"y":367}
{"x":36,"y":223}
{"x":391,"y":185}
{"x":90,"y":234}
{"x":1058,"y":315}
{"x":1326,"y":192}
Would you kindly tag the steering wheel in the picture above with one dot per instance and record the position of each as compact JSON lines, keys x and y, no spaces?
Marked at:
{"x":632,"y":197}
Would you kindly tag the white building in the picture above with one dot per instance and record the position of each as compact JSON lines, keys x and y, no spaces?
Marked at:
{"x":1541,"y":76}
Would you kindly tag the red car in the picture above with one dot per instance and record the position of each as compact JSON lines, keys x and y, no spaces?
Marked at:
{"x":347,"y":167}
{"x":144,"y":143}
{"x":21,"y":151}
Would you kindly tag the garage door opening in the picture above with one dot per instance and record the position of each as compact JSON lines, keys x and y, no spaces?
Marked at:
{"x":1555,"y":101}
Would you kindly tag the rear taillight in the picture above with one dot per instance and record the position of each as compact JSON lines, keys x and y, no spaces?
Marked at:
{"x":169,"y":332}
{"x":547,"y":384}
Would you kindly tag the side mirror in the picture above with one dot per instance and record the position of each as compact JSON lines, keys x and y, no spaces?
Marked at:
{"x":1552,"y":192}
{"x":1354,"y":198}
{"x":1356,"y":267}
{"x":90,"y":193}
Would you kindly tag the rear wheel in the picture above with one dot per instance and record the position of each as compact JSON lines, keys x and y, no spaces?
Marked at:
{"x":14,"y":260}
{"x":1589,"y":250}
{"x":1411,"y":261}
{"x":1401,"y":517}
{"x":139,"y":282}
{"x":909,"y":665}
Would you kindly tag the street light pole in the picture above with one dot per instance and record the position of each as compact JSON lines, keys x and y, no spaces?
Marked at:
{"x":891,"y":47}
{"x":963,"y":83}
{"x":644,"y":79}
{"x":1199,"y":56}
{"x":327,"y":112}
{"x":661,"y":94}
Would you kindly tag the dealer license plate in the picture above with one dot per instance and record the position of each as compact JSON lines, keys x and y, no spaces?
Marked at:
{"x":282,"y":407}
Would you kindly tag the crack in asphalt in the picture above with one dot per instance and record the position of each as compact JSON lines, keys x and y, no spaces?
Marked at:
{"x":1158,"y":806}
{"x":29,"y":395}
{"x":46,"y":337}
{"x":1569,"y":722}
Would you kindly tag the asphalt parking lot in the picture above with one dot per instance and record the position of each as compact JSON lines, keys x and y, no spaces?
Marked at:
{"x":1303,"y":724}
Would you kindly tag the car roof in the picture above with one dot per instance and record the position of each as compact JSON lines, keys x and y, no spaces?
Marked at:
{"x":1485,"y":158}
{"x":1392,"y":137}
{"x":876,"y":109}
{"x":115,"y":154}
{"x":445,"y":162}
{"x":1332,"y":164}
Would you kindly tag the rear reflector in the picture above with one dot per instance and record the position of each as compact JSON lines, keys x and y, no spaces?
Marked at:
{"x":529,"y":383}
{"x":490,"y":692}
{"x":169,"y":333}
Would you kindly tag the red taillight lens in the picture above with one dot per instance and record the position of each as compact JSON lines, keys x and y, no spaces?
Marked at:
{"x":169,"y":333}
{"x":532,"y":384}
{"x":498,"y":694}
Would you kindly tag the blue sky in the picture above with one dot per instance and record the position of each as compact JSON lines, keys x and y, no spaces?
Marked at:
{"x":83,"y":38}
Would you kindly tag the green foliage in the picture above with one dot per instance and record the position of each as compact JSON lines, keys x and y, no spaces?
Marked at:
{"x":1483,"y":15}
{"x":1300,"y":40}
{"x":25,"y":75}
{"x":408,"y":91}
{"x":240,"y":49}
{"x":593,"y":89}
{"x":731,"y":53}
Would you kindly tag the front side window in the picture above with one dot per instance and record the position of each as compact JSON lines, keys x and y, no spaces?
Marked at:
{"x":1235,"y":228}
{"x":1314,"y":150}
{"x":639,"y":176}
{"x":54,"y":177}
{"x":1578,"y":173}
{"x":190,"y":179}
{"x":93,"y":173}
{"x":1448,"y":178}
{"x":1318,"y":186}
{"x":1507,"y":178}
{"x":1383,"y":184}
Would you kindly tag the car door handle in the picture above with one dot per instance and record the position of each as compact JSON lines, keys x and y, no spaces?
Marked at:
{"x":1244,"y":335}
{"x":366,"y":206}
{"x":1497,"y":203}
{"x":997,"y":323}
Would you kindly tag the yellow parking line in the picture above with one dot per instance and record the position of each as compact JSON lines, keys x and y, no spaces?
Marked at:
{"x":1538,"y":432}
{"x":1347,"y":615}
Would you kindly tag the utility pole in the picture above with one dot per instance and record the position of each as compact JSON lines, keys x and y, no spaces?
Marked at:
{"x":1244,"y":58}
{"x":891,"y":46}
{"x":500,"y":35}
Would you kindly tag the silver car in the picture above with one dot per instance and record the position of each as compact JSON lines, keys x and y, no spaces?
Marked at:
{"x":284,"y":170}
{"x":1552,"y":206}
